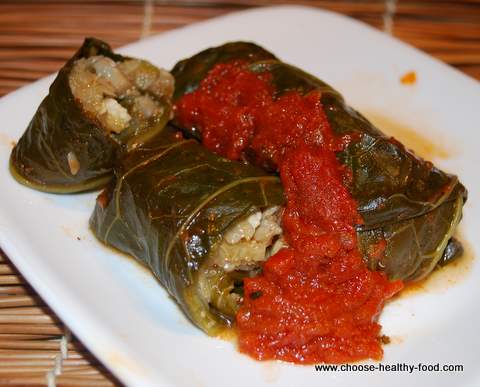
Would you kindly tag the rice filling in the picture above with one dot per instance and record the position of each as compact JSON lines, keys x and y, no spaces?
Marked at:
{"x":239,"y":254}
{"x":131,"y":94}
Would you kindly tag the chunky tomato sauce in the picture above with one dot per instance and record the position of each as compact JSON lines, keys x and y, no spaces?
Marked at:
{"x":315,"y":301}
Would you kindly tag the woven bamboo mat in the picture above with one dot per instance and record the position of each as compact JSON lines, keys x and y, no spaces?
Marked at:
{"x":37,"y":37}
{"x":36,"y":349}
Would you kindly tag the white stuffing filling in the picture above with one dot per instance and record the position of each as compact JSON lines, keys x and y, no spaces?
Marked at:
{"x":120,"y":95}
{"x":248,"y":242}
{"x":114,"y":115}
{"x":243,"y":248}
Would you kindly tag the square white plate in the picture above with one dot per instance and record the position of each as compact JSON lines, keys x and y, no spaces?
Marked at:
{"x":120,"y":312}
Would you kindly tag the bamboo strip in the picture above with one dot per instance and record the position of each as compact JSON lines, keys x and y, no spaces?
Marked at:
{"x":82,"y":380}
{"x":160,"y":25}
{"x":128,"y":21}
{"x":11,"y":279}
{"x":20,"y":41}
{"x":25,"y":311}
{"x":35,"y":381}
{"x":72,"y":17}
{"x":85,"y":375}
{"x":29,"y":53}
{"x":436,"y":44}
{"x":338,"y":6}
{"x":34,"y":329}
{"x":48,"y":363}
{"x":9,"y":370}
{"x":477,"y":2}
{"x":446,"y":11}
{"x":15,"y":31}
{"x":25,"y":355}
{"x":459,"y":58}
{"x":39,"y":381}
{"x":34,"y":345}
{"x":18,"y":301}
{"x":65,"y":9}
{"x":41,"y":64}
{"x":26,"y":319}
{"x":13,"y":290}
{"x":25,"y":336}
{"x":6,"y":269}
{"x":35,"y":354}
{"x":84,"y":370}
{"x":23,"y":74}
{"x":445,"y":30}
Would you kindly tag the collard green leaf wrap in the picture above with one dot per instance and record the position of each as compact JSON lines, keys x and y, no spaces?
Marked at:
{"x":403,"y":200}
{"x":171,"y":202}
{"x":60,"y":127}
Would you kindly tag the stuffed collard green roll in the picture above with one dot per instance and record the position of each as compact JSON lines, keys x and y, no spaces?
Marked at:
{"x":99,"y":105}
{"x":200,"y":222}
{"x":408,"y":206}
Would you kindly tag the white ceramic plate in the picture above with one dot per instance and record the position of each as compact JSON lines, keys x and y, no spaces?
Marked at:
{"x":120,"y":312}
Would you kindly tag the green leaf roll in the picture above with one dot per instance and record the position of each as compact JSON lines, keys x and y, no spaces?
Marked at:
{"x":404,"y":200}
{"x":100,"y":104}
{"x":177,"y":208}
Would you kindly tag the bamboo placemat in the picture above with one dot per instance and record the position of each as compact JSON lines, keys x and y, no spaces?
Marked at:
{"x":36,"y":349}
{"x":37,"y":37}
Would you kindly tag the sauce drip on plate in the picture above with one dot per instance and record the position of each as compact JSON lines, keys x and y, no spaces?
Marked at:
{"x":315,"y":300}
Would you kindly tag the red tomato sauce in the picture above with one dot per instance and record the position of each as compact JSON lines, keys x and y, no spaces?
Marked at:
{"x":315,"y":301}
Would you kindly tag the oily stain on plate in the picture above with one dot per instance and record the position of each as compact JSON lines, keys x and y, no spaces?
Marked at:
{"x":443,"y":278}
{"x":69,"y":232}
{"x":116,"y":360}
{"x":6,"y":140}
{"x":413,"y":139}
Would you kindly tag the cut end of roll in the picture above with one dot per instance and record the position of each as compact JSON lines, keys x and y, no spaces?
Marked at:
{"x":129,"y":95}
{"x":239,"y":254}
